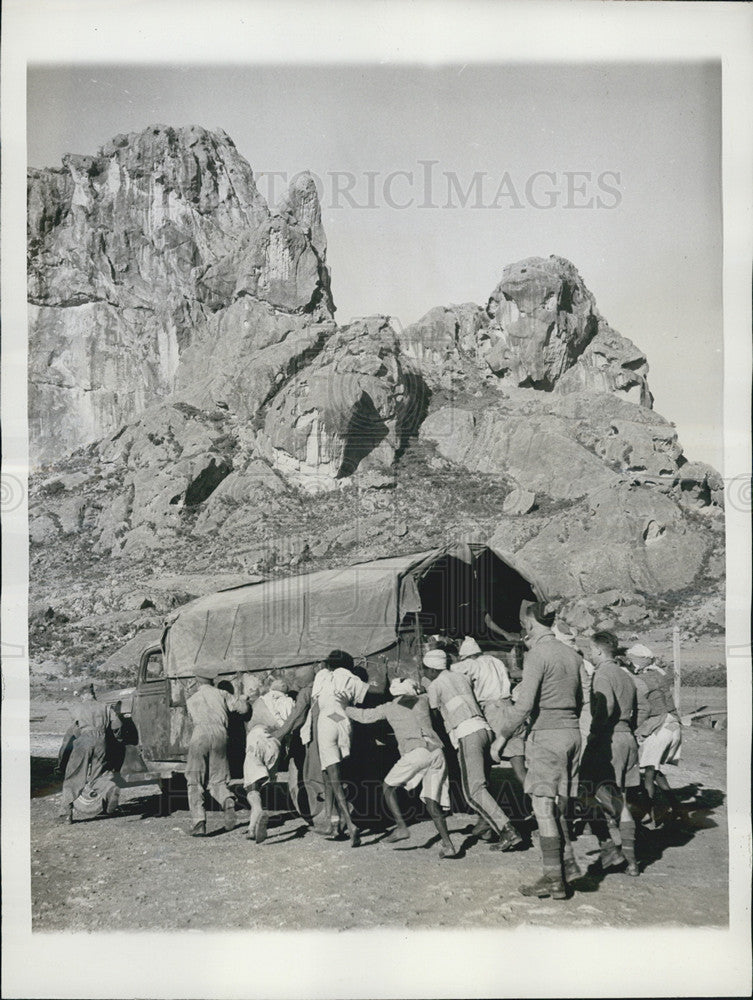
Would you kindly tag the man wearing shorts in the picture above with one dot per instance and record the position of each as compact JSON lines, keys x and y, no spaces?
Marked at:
{"x":421,"y":762}
{"x":657,"y":730}
{"x":609,"y":769}
{"x":263,"y":752}
{"x":550,"y":693}
{"x":450,"y":694}
{"x":336,"y":687}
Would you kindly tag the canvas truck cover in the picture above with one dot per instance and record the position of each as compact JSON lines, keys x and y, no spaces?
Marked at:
{"x":299,"y":619}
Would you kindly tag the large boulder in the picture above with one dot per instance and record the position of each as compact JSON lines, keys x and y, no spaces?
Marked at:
{"x":626,"y":537}
{"x":352,"y":407}
{"x":537,"y":451}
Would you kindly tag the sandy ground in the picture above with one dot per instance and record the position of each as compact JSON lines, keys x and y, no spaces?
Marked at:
{"x":142,"y":870}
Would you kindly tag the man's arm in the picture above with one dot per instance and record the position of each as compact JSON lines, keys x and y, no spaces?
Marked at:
{"x":236,"y":702}
{"x":297,"y":717}
{"x":115,"y":721}
{"x":526,"y":694}
{"x":367,"y":715}
{"x":602,"y":705}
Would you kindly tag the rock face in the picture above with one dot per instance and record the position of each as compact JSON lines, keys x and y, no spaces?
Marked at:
{"x":623,"y":537}
{"x":354,"y":405}
{"x":132,"y":254}
{"x":540,"y":329}
{"x":201,"y":412}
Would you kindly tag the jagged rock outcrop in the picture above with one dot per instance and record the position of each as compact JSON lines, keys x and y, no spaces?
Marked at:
{"x":133,"y":253}
{"x":203,"y":412}
{"x":540,"y":329}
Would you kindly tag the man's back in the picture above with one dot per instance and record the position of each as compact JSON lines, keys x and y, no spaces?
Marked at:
{"x":613,"y":699}
{"x":552,"y":682}
{"x":487,"y":674}
{"x":208,"y":708}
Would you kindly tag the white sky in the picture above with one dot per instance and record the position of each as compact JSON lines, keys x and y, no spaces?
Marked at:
{"x":654,"y":262}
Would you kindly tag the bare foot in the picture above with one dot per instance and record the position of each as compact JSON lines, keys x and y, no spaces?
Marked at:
{"x":398,"y":834}
{"x":260,"y":833}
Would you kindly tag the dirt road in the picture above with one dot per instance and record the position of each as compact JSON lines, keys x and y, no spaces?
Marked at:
{"x":142,"y":870}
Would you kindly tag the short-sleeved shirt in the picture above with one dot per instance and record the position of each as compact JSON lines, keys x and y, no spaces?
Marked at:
{"x":488,"y":676}
{"x":333,"y":690}
{"x":209,"y":706}
{"x":452,"y":695}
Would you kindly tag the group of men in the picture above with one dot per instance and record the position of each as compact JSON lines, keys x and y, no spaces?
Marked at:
{"x":570,"y":731}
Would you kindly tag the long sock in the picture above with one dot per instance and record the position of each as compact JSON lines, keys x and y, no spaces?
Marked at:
{"x":627,"y":835}
{"x":567,"y":851}
{"x":601,"y":830}
{"x":550,"y":855}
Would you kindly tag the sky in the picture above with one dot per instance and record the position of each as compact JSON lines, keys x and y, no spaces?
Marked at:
{"x":433,"y":178}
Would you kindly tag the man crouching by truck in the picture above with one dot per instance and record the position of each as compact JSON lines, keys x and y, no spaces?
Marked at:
{"x":270,"y":711}
{"x":207,"y":766}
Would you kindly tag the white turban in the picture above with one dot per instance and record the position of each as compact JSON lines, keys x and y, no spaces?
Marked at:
{"x":468,"y":647}
{"x":640,"y":650}
{"x":403,"y":685}
{"x":435,"y":659}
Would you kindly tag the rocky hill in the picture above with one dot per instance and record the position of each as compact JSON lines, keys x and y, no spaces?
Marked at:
{"x":197,"y":415}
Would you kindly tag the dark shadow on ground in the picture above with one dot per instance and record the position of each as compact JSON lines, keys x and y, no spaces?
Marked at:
{"x":44,"y":781}
{"x":697,"y":805}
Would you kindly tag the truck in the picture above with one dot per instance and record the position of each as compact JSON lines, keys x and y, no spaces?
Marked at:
{"x":381,"y":612}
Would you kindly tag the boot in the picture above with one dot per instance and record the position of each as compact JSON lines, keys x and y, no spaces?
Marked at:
{"x":199,"y":829}
{"x":550,"y":884}
{"x":229,"y":811}
{"x":509,"y":839}
{"x":612,"y":856}
{"x":571,"y":870}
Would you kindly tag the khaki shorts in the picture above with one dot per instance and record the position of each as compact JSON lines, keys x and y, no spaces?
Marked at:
{"x":333,"y":738}
{"x":661,"y":747}
{"x":424,"y":767}
{"x":552,"y":761}
{"x":611,"y":761}
{"x":625,"y":760}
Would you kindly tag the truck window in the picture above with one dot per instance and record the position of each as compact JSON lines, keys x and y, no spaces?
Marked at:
{"x":154,"y":668}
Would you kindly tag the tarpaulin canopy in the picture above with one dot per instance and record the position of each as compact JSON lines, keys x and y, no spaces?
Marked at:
{"x":359,"y":608}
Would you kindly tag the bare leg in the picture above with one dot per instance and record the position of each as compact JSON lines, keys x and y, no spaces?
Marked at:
{"x":329,"y":799}
{"x":333,"y":772}
{"x":401,"y":831}
{"x":669,"y":795}
{"x":439,"y":822}
{"x":257,"y":823}
{"x":627,"y":836}
{"x":649,"y":774}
